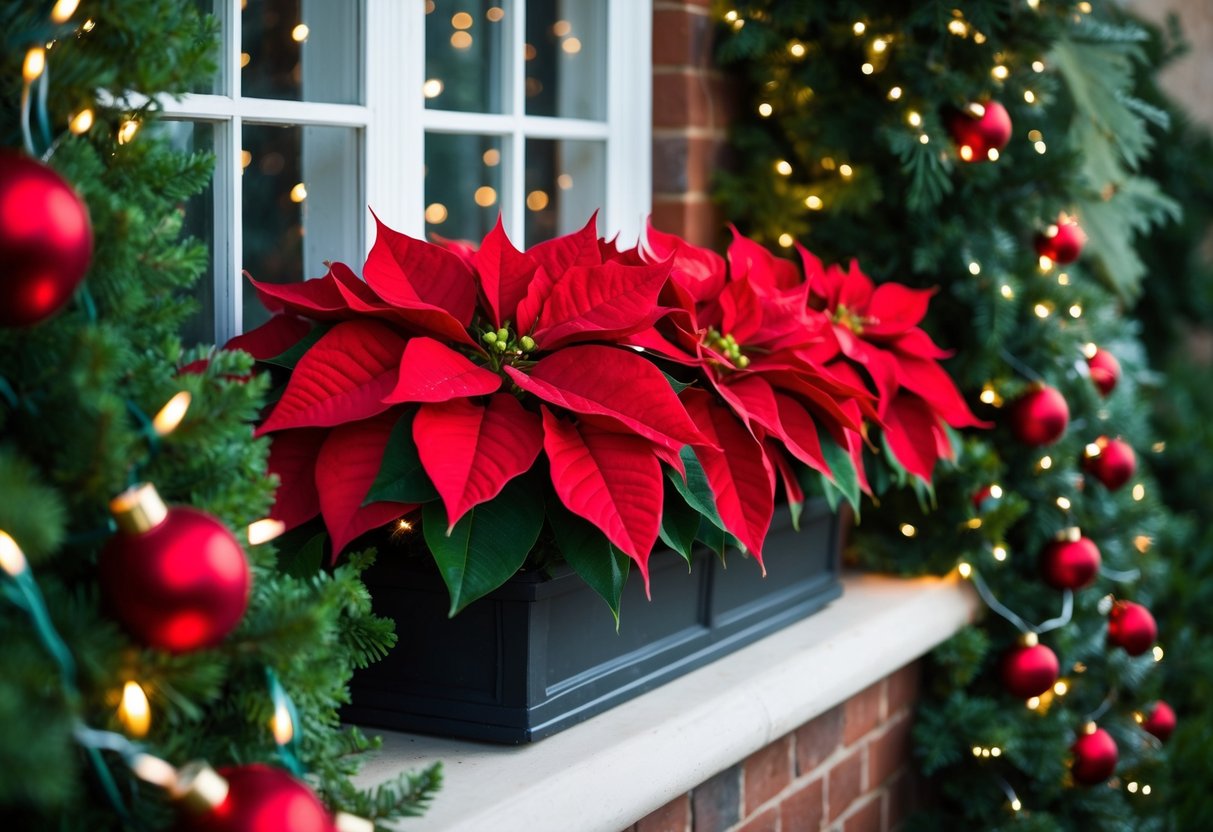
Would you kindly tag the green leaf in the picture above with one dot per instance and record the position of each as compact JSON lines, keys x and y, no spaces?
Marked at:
{"x":796,"y":509}
{"x":401,"y":477}
{"x":846,"y":480}
{"x":679,"y":523}
{"x":591,"y":555}
{"x":718,"y":540}
{"x":488,"y":544}
{"x":291,"y":357}
{"x":303,"y":561}
{"x":695,"y":491}
{"x":678,"y":386}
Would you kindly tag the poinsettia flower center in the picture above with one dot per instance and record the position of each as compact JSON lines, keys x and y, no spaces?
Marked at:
{"x":850,"y":319}
{"x":506,"y":347}
{"x":727,"y":346}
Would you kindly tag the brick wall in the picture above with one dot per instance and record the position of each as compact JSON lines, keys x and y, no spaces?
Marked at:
{"x":847,"y":770}
{"x":693,"y":104}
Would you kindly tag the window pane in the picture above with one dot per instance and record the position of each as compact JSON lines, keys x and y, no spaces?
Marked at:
{"x":303,"y":205}
{"x":463,"y":176}
{"x":565,"y":185}
{"x":199,"y":223}
{"x":216,"y":9}
{"x":566,"y":58}
{"x":464,"y":49}
{"x":301,"y":50}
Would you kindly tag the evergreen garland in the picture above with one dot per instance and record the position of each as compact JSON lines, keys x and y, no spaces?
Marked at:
{"x":854,"y":98}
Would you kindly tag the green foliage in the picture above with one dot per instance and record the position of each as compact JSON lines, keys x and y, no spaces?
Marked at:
{"x":912,"y":211}
{"x":75,"y":394}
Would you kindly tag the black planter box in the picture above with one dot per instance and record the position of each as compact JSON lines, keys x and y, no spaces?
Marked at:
{"x":541,"y":653}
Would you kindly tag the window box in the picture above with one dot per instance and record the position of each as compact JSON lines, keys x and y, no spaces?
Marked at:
{"x":541,"y":654}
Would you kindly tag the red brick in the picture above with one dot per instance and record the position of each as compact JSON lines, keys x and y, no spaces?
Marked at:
{"x":675,"y":816}
{"x":845,"y":785}
{"x":767,"y":773}
{"x":680,"y":99}
{"x":716,"y":803}
{"x":682,"y":38}
{"x":767,"y":821}
{"x":890,"y":752}
{"x":803,"y":810}
{"x":866,"y":819}
{"x":817,"y":739}
{"x":904,"y":686}
{"x":698,"y":222}
{"x":863,"y":712}
{"x":900,"y":799}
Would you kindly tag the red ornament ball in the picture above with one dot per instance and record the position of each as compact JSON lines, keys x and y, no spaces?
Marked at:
{"x":1070,"y":563}
{"x":1040,"y":416}
{"x":1029,"y":670}
{"x":1111,"y":461}
{"x":259,"y":798}
{"x":1063,"y":242}
{"x":1132,"y":627}
{"x":1095,"y":756}
{"x":46,"y":240}
{"x":1161,"y":721}
{"x":1105,"y":370}
{"x":980,"y":130}
{"x":174,"y":577}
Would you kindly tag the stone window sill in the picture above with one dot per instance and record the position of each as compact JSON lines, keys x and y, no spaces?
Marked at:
{"x":612,"y":770}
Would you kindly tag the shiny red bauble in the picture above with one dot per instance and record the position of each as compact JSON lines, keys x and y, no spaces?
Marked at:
{"x":259,"y":798}
{"x":1070,"y":563}
{"x":1105,"y":370}
{"x":1039,"y":417}
{"x":1063,"y":242}
{"x":1161,"y":721}
{"x":175,"y":578}
{"x":1095,"y":756}
{"x":1132,"y":627}
{"x":1029,"y":671}
{"x":46,"y":240}
{"x":980,"y":130}
{"x":1111,"y":461}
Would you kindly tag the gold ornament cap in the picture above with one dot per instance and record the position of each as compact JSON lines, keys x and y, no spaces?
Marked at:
{"x":1029,"y":639}
{"x":199,"y":787}
{"x":345,"y":822}
{"x":139,"y":509}
{"x":1073,"y":534}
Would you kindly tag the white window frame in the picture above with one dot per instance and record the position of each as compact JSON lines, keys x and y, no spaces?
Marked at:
{"x":393,"y":121}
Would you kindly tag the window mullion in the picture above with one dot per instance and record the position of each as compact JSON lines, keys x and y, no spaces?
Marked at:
{"x":516,"y":78}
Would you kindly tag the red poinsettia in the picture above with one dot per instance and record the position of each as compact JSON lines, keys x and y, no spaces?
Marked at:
{"x":494,"y":357}
{"x":746,"y":325}
{"x":880,"y":344}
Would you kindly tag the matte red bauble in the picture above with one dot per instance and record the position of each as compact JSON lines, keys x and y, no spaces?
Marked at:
{"x":174,"y":577}
{"x":1071,"y":562}
{"x":980,"y":130}
{"x":1062,"y":243}
{"x":1161,"y":721}
{"x":1029,"y":670}
{"x":258,"y":798}
{"x":46,"y":240}
{"x":1039,"y":417}
{"x":1095,"y":757}
{"x":1111,"y":461}
{"x":1105,"y":370}
{"x":1132,"y":627}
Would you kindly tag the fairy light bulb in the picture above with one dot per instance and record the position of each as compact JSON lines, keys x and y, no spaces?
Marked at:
{"x":894,"y":93}
{"x":765,"y":110}
{"x":34,"y":65}
{"x":1000,"y":553}
{"x":12,"y":559}
{"x":135,"y":712}
{"x":859,"y":28}
{"x":282,"y":726}
{"x":813,"y":202}
{"x":974,"y":268}
{"x":1063,"y":503}
{"x":127,"y":131}
{"x":1000,"y":72}
{"x":169,"y":417}
{"x":907,"y":530}
{"x":81,"y":122}
{"x":264,"y":530}
{"x":783,"y":167}
{"x":914,"y":119}
{"x":63,"y":10}
{"x":964,"y":569}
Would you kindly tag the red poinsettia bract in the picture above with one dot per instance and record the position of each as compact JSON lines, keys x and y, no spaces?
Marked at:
{"x":497,"y":356}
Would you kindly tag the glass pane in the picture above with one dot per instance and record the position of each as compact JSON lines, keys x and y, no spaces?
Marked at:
{"x":465,"y":41}
{"x":217,"y":10}
{"x":566,"y":58}
{"x":303,"y":205}
{"x":199,"y":223}
{"x":565,"y":185}
{"x":463,"y":176}
{"x":301,"y":50}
